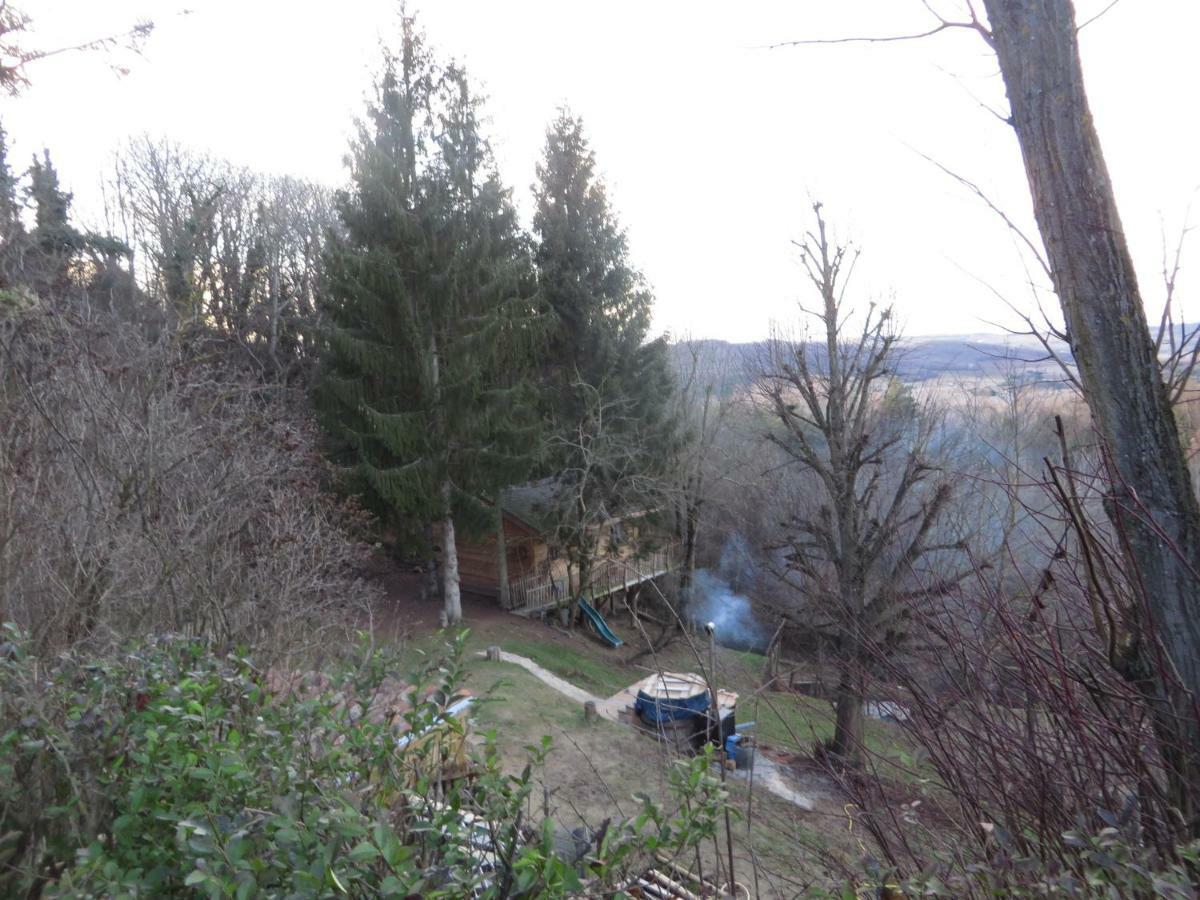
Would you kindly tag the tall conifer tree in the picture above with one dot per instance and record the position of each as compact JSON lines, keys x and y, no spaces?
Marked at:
{"x":12,"y":231}
{"x":430,"y":312}
{"x":53,"y":241}
{"x":610,"y":406}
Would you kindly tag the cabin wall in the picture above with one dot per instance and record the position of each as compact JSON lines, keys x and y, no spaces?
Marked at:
{"x":529,"y":553}
{"x":477,"y":568}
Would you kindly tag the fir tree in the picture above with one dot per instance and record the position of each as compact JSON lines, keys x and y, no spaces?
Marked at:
{"x":12,"y":231}
{"x":10,"y":210}
{"x":430,"y":312}
{"x":54,"y":243}
{"x":611,"y":385}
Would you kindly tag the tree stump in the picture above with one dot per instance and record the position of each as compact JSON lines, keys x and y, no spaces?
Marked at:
{"x":590,"y":713}
{"x":493,"y":653}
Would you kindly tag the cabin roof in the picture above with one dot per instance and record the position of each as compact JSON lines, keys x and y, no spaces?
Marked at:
{"x":532,"y":504}
{"x":536,"y":505}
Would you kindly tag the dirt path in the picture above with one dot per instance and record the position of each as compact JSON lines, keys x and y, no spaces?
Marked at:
{"x":405,"y":612}
{"x":579,"y":695}
{"x":766,"y":772}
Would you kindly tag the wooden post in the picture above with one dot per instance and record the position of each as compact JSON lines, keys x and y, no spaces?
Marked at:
{"x":590,"y":713}
{"x":773,"y":652}
{"x":502,"y":560}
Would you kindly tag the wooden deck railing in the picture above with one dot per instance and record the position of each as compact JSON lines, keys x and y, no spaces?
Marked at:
{"x":536,"y":591}
{"x":541,"y":589}
{"x":610,"y":575}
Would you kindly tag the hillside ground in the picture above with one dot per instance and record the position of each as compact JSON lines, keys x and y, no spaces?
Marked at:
{"x":595,"y":770}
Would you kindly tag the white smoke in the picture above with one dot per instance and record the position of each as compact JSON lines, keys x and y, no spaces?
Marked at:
{"x":714,"y":600}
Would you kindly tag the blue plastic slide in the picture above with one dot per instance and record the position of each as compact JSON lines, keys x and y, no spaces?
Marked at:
{"x":597,"y":622}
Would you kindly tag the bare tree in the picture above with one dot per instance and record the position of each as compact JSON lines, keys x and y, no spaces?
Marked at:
{"x":227,"y":246}
{"x":703,"y":403}
{"x":1128,"y":385}
{"x":147,"y":489}
{"x":604,"y":480}
{"x":878,"y":494}
{"x":1007,"y":420}
{"x":1153,"y":504}
{"x":166,"y":201}
{"x":16,"y":55}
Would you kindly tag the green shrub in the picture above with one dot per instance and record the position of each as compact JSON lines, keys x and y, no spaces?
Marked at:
{"x":172,"y":770}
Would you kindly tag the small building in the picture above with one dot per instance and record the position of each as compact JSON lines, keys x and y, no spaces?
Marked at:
{"x":537,"y":574}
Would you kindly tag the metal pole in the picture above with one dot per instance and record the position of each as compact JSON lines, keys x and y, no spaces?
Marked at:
{"x":711,"y":628}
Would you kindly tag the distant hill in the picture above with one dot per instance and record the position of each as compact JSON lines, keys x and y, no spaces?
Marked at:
{"x":978,"y":355}
{"x":918,"y":359}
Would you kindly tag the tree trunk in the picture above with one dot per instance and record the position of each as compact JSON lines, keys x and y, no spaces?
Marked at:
{"x":687,"y":571}
{"x":847,"y":745}
{"x":450,"y":587}
{"x":585,"y":577}
{"x":1153,"y":504}
{"x":273,"y":330}
{"x":774,"y":651}
{"x":501,"y":559}
{"x":430,"y":576}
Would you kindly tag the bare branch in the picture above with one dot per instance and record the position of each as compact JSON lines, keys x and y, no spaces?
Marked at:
{"x":1097,"y":16}
{"x":943,"y":24}
{"x":978,"y":192}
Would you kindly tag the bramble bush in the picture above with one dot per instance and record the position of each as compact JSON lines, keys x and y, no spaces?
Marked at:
{"x":173,"y":770}
{"x":150,"y":484}
{"x":1107,"y":864}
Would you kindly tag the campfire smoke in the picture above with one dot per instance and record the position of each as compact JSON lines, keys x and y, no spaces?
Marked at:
{"x":715,"y":601}
{"x":720,"y":596}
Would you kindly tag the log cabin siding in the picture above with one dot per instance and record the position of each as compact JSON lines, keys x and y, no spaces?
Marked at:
{"x":477,"y":560}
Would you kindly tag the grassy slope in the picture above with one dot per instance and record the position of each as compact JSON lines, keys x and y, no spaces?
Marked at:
{"x":783,"y":720}
{"x":594,"y":770}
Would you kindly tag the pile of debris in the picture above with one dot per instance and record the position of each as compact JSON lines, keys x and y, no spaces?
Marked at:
{"x":435,"y":749}
{"x":655,"y":884}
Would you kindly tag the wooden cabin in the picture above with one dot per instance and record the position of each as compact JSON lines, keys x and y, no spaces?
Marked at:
{"x":536,"y":574}
{"x":527,"y":552}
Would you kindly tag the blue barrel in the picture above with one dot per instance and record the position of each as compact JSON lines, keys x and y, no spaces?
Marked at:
{"x":670,"y":696}
{"x":744,"y":757}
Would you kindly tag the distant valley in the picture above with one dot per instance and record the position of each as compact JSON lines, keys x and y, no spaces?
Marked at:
{"x":921,"y":358}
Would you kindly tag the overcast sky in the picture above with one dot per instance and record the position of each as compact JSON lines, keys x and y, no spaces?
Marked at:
{"x":712,"y":145}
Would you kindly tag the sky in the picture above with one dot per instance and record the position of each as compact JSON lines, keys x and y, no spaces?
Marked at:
{"x":713,"y":145}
